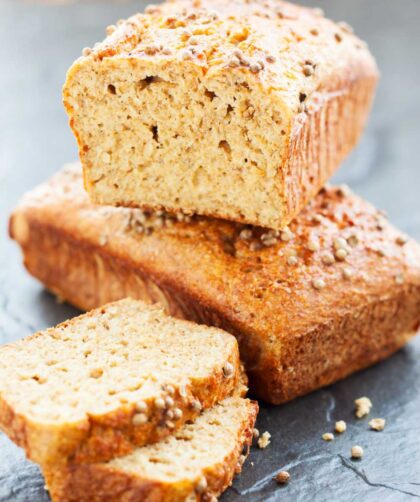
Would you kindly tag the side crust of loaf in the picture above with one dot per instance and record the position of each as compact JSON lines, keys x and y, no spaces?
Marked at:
{"x":101,"y":437}
{"x":88,"y":275}
{"x":101,"y":483}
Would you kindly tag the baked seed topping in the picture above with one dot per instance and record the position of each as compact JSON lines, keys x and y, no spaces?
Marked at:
{"x":347,"y":273}
{"x":401,"y":240}
{"x":177,"y":413}
{"x":318,"y":284}
{"x":356,"y":451}
{"x":286,"y":235}
{"x":340,"y":426}
{"x":196,"y":405}
{"x":341,"y":254}
{"x":264,"y":440}
{"x":245,"y":234}
{"x":201,"y":485}
{"x":169,"y":402}
{"x":110,"y":29}
{"x":159,"y":403}
{"x":228,"y":370}
{"x":363,"y":406}
{"x":140,"y":419}
{"x":282,"y":477}
{"x":313,"y":245}
{"x":377,"y":424}
{"x":327,"y":258}
{"x":141,"y":407}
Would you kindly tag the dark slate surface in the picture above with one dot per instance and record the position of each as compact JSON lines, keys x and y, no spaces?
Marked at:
{"x":38,"y":41}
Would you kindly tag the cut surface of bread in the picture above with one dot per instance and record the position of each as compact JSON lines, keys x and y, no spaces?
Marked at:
{"x":100,"y":384}
{"x":235,"y":109}
{"x":338,"y":291}
{"x":198,"y":462}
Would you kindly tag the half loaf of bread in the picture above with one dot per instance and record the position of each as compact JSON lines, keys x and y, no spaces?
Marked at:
{"x":235,"y":109}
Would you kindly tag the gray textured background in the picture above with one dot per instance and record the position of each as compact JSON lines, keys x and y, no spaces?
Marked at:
{"x":38,"y":42}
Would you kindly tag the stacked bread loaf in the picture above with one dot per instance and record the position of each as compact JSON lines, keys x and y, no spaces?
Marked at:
{"x":214,"y":125}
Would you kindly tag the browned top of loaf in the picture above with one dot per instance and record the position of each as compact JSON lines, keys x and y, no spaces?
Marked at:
{"x":281,"y":43}
{"x":270,"y":286}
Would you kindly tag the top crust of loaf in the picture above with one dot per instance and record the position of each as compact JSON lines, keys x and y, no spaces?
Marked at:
{"x":277,"y":292}
{"x":260,"y":29}
{"x":118,"y":377}
{"x":270,"y":96}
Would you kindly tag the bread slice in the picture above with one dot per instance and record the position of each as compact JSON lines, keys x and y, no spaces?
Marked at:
{"x":197,"y":463}
{"x":305,"y":312}
{"x":118,"y":377}
{"x":240,"y":110}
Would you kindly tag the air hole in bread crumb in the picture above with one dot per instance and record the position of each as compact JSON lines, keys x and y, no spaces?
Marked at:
{"x":111,"y":89}
{"x":39,"y":379}
{"x":210,"y":94}
{"x":225,"y":146}
{"x":155,"y":133}
{"x":142,"y":84}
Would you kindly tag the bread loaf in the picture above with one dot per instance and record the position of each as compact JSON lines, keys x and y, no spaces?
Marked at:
{"x":235,"y":109}
{"x":198,"y":462}
{"x":103,"y":383}
{"x":336,"y":292}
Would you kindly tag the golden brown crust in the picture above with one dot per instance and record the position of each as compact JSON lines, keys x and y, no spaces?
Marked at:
{"x":102,"y":483}
{"x":103,"y":436}
{"x":293,"y":338}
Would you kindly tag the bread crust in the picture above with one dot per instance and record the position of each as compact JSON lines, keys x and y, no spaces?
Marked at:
{"x":324,"y":116}
{"x":101,"y":437}
{"x":102,"y":483}
{"x":292,"y":337}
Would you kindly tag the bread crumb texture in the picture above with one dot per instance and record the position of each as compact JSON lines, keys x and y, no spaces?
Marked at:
{"x":219,"y":107}
{"x":122,"y":375}
{"x":195,"y":463}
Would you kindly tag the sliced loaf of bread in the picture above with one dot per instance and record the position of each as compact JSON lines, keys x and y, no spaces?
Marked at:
{"x":121,"y":376}
{"x":198,"y":462}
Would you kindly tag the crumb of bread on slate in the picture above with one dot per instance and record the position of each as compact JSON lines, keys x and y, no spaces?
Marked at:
{"x":356,"y":451}
{"x":328,"y":436}
{"x":340,"y":426}
{"x":363,"y":406}
{"x":264,"y":440}
{"x":282,"y":477}
{"x":377,"y":424}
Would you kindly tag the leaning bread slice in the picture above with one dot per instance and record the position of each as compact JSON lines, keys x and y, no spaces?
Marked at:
{"x":118,"y":377}
{"x":240,"y":110}
{"x":197,"y":463}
